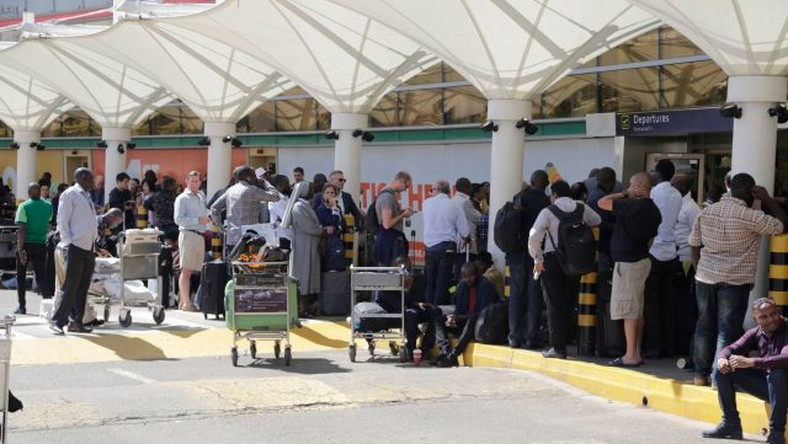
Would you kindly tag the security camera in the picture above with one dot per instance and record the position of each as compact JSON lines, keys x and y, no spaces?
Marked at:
{"x":205,"y":141}
{"x":779,"y":111}
{"x":227,"y":139}
{"x":121,"y":150}
{"x":331,"y":135}
{"x":131,"y":146}
{"x":101,"y":144}
{"x":730,"y":110}
{"x":367,"y":136}
{"x":357,"y":132}
{"x":236,"y":142}
{"x":489,"y":126}
{"x":530,"y":128}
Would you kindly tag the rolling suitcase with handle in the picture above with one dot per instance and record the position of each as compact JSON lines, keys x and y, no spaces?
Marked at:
{"x":213,"y":280}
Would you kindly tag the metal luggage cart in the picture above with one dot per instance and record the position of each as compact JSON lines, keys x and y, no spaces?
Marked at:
{"x":261,"y":305}
{"x":372,"y":279}
{"x":139,"y":252}
{"x":5,"y":365}
{"x":8,"y":241}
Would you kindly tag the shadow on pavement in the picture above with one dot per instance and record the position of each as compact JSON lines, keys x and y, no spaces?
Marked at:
{"x":130,"y":348}
{"x":317,"y":338}
{"x":304,"y":366}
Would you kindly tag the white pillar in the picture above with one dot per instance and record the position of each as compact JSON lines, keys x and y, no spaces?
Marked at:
{"x":25,"y":161}
{"x":219,"y":155}
{"x":347,"y":149}
{"x":506,"y":163}
{"x":755,"y":145}
{"x":114,"y":161}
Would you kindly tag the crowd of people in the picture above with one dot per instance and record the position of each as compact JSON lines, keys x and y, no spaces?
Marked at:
{"x":672,"y":276}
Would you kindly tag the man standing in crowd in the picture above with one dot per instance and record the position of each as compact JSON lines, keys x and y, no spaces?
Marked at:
{"x":764,"y":376}
{"x":637,"y":221}
{"x":390,"y":241}
{"x":32,"y":217}
{"x":276,"y":210}
{"x":560,"y":290}
{"x":97,"y":194}
{"x":298,"y":175}
{"x":78,"y":227}
{"x":163,"y":204}
{"x":120,"y":197}
{"x":444,"y":223}
{"x":684,"y":298}
{"x":725,"y":242}
{"x":242,"y":201}
{"x":474,"y":293}
{"x":191,"y":215}
{"x":345,"y":202}
{"x":526,"y":299}
{"x":659,"y":308}
{"x":462,"y":199}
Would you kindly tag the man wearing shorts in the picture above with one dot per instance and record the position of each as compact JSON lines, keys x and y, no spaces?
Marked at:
{"x":191,"y":216}
{"x":637,"y":221}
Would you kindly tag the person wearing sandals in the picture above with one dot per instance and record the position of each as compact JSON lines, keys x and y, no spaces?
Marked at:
{"x":306,"y":257}
{"x":191,"y":216}
{"x":637,"y":221}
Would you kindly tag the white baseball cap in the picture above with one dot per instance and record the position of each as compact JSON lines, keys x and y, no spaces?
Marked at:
{"x":260,"y":172}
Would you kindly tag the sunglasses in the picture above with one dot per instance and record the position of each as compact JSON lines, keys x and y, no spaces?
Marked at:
{"x":342,"y":180}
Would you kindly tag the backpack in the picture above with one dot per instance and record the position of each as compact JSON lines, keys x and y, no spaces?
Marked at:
{"x":508,"y":232}
{"x":492,"y":325}
{"x":576,"y":248}
{"x":371,"y":222}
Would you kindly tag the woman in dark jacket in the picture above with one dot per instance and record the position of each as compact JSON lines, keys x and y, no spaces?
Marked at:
{"x":330,"y":216}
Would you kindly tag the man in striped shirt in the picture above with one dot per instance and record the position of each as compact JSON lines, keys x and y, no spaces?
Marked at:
{"x":725,"y":242}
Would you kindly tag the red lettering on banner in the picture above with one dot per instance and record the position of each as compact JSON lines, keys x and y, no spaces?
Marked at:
{"x":416,"y":197}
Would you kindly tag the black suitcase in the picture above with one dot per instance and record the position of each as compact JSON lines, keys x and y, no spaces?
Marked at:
{"x":213,"y":279}
{"x":335,"y":293}
{"x":609,"y":333}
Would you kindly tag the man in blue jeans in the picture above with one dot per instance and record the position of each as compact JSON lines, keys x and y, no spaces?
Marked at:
{"x":444,"y":226}
{"x":725,"y":242}
{"x":526,"y":300}
{"x":765,"y":377}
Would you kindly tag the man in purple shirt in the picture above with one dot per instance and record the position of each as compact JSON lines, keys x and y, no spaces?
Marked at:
{"x":765,"y":377}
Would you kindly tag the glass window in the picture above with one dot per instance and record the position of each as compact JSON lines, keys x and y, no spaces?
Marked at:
{"x":166,"y":121}
{"x":323,"y":118}
{"x":5,"y":131}
{"x":296,"y":115}
{"x":464,"y":104}
{"x":261,"y":119}
{"x":673,"y":44}
{"x":54,"y":129}
{"x":630,"y":90}
{"x":636,"y":50}
{"x":76,"y":123}
{"x":143,"y":129}
{"x":429,"y":75}
{"x":573,"y":96}
{"x":450,"y":75}
{"x":385,"y":113}
{"x":693,"y":84}
{"x":190,"y":123}
{"x":424,"y":107}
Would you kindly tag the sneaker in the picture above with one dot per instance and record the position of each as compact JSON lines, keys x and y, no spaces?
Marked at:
{"x":79,"y":328}
{"x":20,"y":310}
{"x":701,"y":381}
{"x":449,"y":361}
{"x":724,"y":431}
{"x":553,"y":353}
{"x":775,"y":437}
{"x":56,"y":329}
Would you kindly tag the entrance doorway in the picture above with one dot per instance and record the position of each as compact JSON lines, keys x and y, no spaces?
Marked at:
{"x":264,"y":158}
{"x":74,"y":160}
{"x":692,"y":165}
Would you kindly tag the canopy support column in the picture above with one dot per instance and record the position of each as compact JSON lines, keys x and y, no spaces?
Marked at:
{"x":25,"y":161}
{"x":347,"y":149}
{"x":219,"y":155}
{"x":755,"y":145}
{"x":506,"y":163}
{"x":117,"y":140}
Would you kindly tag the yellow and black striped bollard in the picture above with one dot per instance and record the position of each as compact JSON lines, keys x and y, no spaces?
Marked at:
{"x":778,"y":271}
{"x":142,"y":217}
{"x":586,"y":316}
{"x":507,"y":282}
{"x":348,"y":237}
{"x":216,"y":244}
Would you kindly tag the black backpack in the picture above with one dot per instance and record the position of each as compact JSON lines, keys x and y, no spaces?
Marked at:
{"x":576,"y":248}
{"x":492,"y":325}
{"x":371,"y":222}
{"x":508,"y":232}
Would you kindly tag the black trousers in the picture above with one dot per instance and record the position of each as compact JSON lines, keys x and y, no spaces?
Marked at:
{"x":414,"y":317}
{"x":439,"y":262}
{"x":36,"y":255}
{"x":659,"y":308}
{"x":560,"y":292}
{"x":74,"y":294}
{"x":465,"y":330}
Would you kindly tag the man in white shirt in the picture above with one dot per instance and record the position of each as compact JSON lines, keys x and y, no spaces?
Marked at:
{"x":444,"y":223}
{"x":686,"y":304}
{"x":462,"y":199}
{"x":78,"y":227}
{"x":659,"y":334}
{"x":559,"y":289}
{"x":277,"y":210}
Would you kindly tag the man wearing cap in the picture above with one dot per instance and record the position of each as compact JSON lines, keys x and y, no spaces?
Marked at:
{"x":658,"y":309}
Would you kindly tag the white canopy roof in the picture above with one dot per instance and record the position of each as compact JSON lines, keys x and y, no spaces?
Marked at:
{"x":218,"y":82}
{"x":344,"y":60}
{"x":744,"y":37}
{"x":511,"y":49}
{"x":26,"y":104}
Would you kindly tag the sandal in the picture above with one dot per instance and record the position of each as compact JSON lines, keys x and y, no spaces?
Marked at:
{"x":619,"y":362}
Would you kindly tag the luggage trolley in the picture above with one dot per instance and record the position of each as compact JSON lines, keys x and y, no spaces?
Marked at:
{"x":377,"y":279}
{"x":139,"y":252}
{"x":261,"y":304}
{"x":5,"y":365}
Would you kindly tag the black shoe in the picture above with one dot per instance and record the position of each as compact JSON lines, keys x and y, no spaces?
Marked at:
{"x":436,"y":361}
{"x":724,"y":431}
{"x":96,"y":322}
{"x":20,"y":310}
{"x":449,"y":361}
{"x":56,"y":329}
{"x":775,"y":437}
{"x":553,"y":353}
{"x":515,"y":344}
{"x":79,"y":328}
{"x":533,"y":345}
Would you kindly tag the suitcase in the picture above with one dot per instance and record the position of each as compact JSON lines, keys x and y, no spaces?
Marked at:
{"x":335,"y":293}
{"x":213,"y":280}
{"x":609,"y":334}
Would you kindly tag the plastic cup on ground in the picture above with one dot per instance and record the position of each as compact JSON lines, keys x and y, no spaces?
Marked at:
{"x":417,"y":357}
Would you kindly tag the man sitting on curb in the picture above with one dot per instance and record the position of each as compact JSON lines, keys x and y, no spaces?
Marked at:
{"x":474,"y":293}
{"x":765,"y":377}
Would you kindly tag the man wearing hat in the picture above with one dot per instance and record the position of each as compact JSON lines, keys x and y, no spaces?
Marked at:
{"x":658,"y":307}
